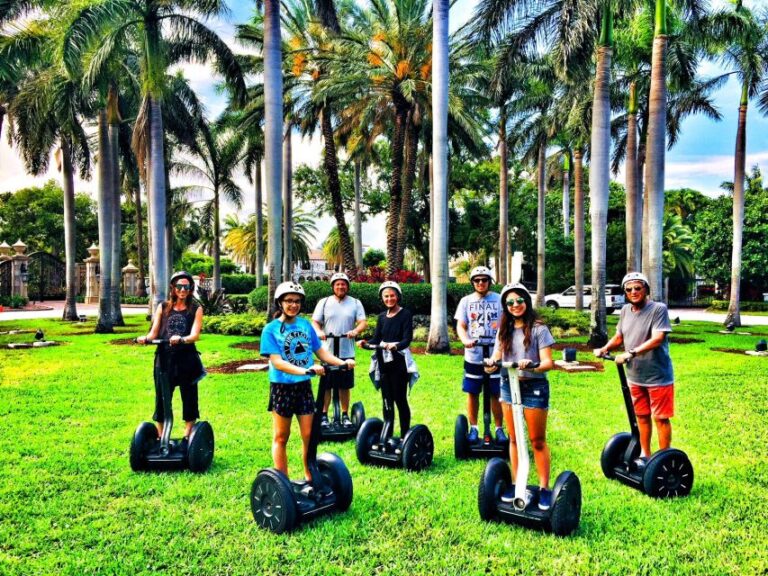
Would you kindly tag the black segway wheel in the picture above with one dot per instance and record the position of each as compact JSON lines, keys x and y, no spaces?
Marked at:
{"x":200,"y":450}
{"x":566,"y":508}
{"x":337,"y":475}
{"x":613,"y":453}
{"x":460,"y":442}
{"x":418,"y":448}
{"x":143,"y":440}
{"x":495,"y":480}
{"x":358,"y":415}
{"x":369,"y":432}
{"x":272,"y":501}
{"x":668,"y":474}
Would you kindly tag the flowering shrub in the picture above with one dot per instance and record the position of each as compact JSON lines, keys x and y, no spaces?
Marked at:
{"x":377,"y":275}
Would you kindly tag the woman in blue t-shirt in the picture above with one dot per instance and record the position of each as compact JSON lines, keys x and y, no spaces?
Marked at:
{"x":290,"y":342}
{"x":525,"y":339}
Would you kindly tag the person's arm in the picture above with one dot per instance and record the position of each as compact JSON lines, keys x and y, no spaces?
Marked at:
{"x":545,"y":361}
{"x":156,"y":321}
{"x":197,"y":327}
{"x":285,"y":366}
{"x":360,"y":327}
{"x":406,"y":330}
{"x":461,"y":331}
{"x":327,"y":357}
{"x":612,"y":344}
{"x":377,"y":332}
{"x":318,"y":328}
{"x":318,"y":320}
{"x":495,"y":356}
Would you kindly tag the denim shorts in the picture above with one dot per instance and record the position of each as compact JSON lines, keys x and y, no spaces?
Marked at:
{"x":535,"y":393}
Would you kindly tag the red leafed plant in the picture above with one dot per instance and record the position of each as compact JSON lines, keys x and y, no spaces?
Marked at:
{"x":377,"y":274}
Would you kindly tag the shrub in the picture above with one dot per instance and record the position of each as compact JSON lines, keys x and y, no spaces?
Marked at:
{"x":13,"y":301}
{"x":197,"y":264}
{"x":569,"y":322}
{"x":235,"y":324}
{"x":744,"y":306}
{"x":135,"y":300}
{"x":238,"y":303}
{"x":238,"y":283}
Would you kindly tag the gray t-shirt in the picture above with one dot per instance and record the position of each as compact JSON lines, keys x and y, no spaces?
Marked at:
{"x":481,"y":315}
{"x":541,"y":337}
{"x":653,"y":368}
{"x":339,"y":318}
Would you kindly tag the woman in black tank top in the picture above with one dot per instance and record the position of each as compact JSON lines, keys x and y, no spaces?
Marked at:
{"x":178,"y":320}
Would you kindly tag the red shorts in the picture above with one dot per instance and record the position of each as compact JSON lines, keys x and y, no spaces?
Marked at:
{"x":658,"y":401}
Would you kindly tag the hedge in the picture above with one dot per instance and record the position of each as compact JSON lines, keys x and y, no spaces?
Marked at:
{"x":722,"y":305}
{"x":235,"y":324}
{"x":239,"y":283}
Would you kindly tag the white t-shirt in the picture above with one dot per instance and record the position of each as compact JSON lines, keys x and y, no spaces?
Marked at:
{"x":481,"y":314}
{"x":339,"y":317}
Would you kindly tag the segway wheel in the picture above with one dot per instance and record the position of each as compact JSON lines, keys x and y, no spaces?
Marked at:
{"x":418,"y":448}
{"x":358,"y":415}
{"x":668,"y":474}
{"x":366,"y":436}
{"x":613,"y":453}
{"x":495,"y":480}
{"x":566,"y":509}
{"x":143,"y":439}
{"x":460,"y":442}
{"x":337,"y":475}
{"x":272,"y":501}
{"x":200,"y":451}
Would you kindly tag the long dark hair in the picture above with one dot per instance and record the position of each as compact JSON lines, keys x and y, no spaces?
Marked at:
{"x":173,"y":298}
{"x":507,"y":327}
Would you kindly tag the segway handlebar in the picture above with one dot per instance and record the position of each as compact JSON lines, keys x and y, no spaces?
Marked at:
{"x":513,"y":365}
{"x":330,"y":335}
{"x":368,"y":346}
{"x":329,"y":368}
{"x":156,"y":341}
{"x":612,"y":358}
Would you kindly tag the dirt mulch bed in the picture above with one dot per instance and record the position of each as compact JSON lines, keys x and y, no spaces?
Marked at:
{"x":598,"y":367}
{"x":246,"y":345}
{"x":580,"y":346}
{"x":676,"y":340}
{"x":739,"y":351}
{"x":423,"y":350}
{"x":122,"y":341}
{"x":232,"y":367}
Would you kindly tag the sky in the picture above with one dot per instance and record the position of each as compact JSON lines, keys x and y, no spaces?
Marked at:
{"x":702,"y":159}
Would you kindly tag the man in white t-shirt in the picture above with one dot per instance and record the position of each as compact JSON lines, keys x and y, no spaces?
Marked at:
{"x":477,"y":320}
{"x":340,"y":315}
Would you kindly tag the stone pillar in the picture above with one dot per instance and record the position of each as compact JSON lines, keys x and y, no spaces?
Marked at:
{"x":20,"y":271}
{"x":5,"y":252}
{"x":92,"y":275}
{"x":130,"y":280}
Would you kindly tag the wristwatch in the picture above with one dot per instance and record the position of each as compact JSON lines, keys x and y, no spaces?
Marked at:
{"x":632,"y":352}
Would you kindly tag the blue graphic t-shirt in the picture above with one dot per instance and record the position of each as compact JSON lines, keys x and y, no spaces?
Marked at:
{"x":296,"y":343}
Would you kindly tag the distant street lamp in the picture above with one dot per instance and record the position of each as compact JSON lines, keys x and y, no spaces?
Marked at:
{"x":24,"y":273}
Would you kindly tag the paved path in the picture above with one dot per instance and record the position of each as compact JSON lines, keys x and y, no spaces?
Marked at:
{"x":57,"y":309}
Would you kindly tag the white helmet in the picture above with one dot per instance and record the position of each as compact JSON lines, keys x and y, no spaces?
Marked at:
{"x":339,"y":276}
{"x":288,"y":288}
{"x":390,"y":284}
{"x":480,"y":271}
{"x":635,"y":277}
{"x":516,"y":287}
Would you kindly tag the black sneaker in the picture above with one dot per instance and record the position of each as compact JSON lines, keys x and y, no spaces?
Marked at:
{"x":346,"y":422}
{"x":640,"y":463}
{"x":324,"y":423}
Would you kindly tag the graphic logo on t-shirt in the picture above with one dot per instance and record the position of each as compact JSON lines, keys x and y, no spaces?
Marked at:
{"x":296,"y":349}
{"x":483,"y":319}
{"x":177,"y":325}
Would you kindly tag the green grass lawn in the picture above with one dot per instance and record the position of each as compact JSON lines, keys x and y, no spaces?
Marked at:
{"x":70,"y":504}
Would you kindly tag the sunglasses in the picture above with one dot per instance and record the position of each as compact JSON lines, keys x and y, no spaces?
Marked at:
{"x":186,"y":287}
{"x":287,"y":301}
{"x":515,"y":301}
{"x":630,"y":289}
{"x":479,"y":280}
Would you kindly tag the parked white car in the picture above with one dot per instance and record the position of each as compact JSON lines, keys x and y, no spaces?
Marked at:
{"x":614,"y":298}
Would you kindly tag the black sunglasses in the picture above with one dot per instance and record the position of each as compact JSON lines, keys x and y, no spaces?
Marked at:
{"x":182,"y":287}
{"x":629,"y":289}
{"x":514,"y":301}
{"x":484,"y":280}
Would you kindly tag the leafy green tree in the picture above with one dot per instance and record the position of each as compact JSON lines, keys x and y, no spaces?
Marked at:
{"x":373,"y":257}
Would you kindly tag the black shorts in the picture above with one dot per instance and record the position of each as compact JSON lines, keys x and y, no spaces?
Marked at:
{"x":344,"y":379}
{"x":289,"y":399}
{"x":189,"y":402}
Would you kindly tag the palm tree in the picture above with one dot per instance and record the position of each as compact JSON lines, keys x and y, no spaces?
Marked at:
{"x":438,"y":340}
{"x":678,"y":249}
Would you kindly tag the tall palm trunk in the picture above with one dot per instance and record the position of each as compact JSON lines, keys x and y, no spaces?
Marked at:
{"x":157,"y":204}
{"x":739,"y":166}
{"x":358,"y":239}
{"x":566,"y":195}
{"x":139,"y":239}
{"x":438,"y":326}
{"x":502,"y":273}
{"x":259,"y":228}
{"x":654,"y":175}
{"x":106,"y":214}
{"x":578,"y":225}
{"x":599,"y":180}
{"x":409,"y":177}
{"x":634,"y":216}
{"x":216,"y":238}
{"x":113,"y":119}
{"x":273,"y":136}
{"x":540,"y":227}
{"x":287,"y":206}
{"x":396,"y":183}
{"x":70,"y":231}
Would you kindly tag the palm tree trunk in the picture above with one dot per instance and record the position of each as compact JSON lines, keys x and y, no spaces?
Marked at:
{"x":578,"y":226}
{"x":409,"y":177}
{"x":106,"y":196}
{"x":502,"y":274}
{"x":331,"y":166}
{"x":139,"y":240}
{"x":358,"y":240}
{"x":438,"y":327}
{"x":739,"y":167}
{"x":216,"y":238}
{"x":157,"y":204}
{"x":70,"y":230}
{"x":634,"y":216}
{"x":598,"y":184}
{"x":425,"y":185}
{"x":654,"y":175}
{"x":259,"y":228}
{"x":117,"y":272}
{"x":273,"y":136}
{"x":566,"y":195}
{"x":396,"y":184}
{"x":287,"y":207}
{"x":540,"y":227}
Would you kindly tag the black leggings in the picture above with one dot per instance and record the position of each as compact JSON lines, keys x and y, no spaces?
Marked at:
{"x":394,"y":391}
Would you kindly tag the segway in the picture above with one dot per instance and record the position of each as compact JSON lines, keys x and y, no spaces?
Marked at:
{"x":280,"y":504}
{"x":376,"y":445}
{"x":485,"y":446}
{"x":563,"y":516}
{"x":335,"y":431}
{"x":666,"y":474}
{"x":150,"y":452}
